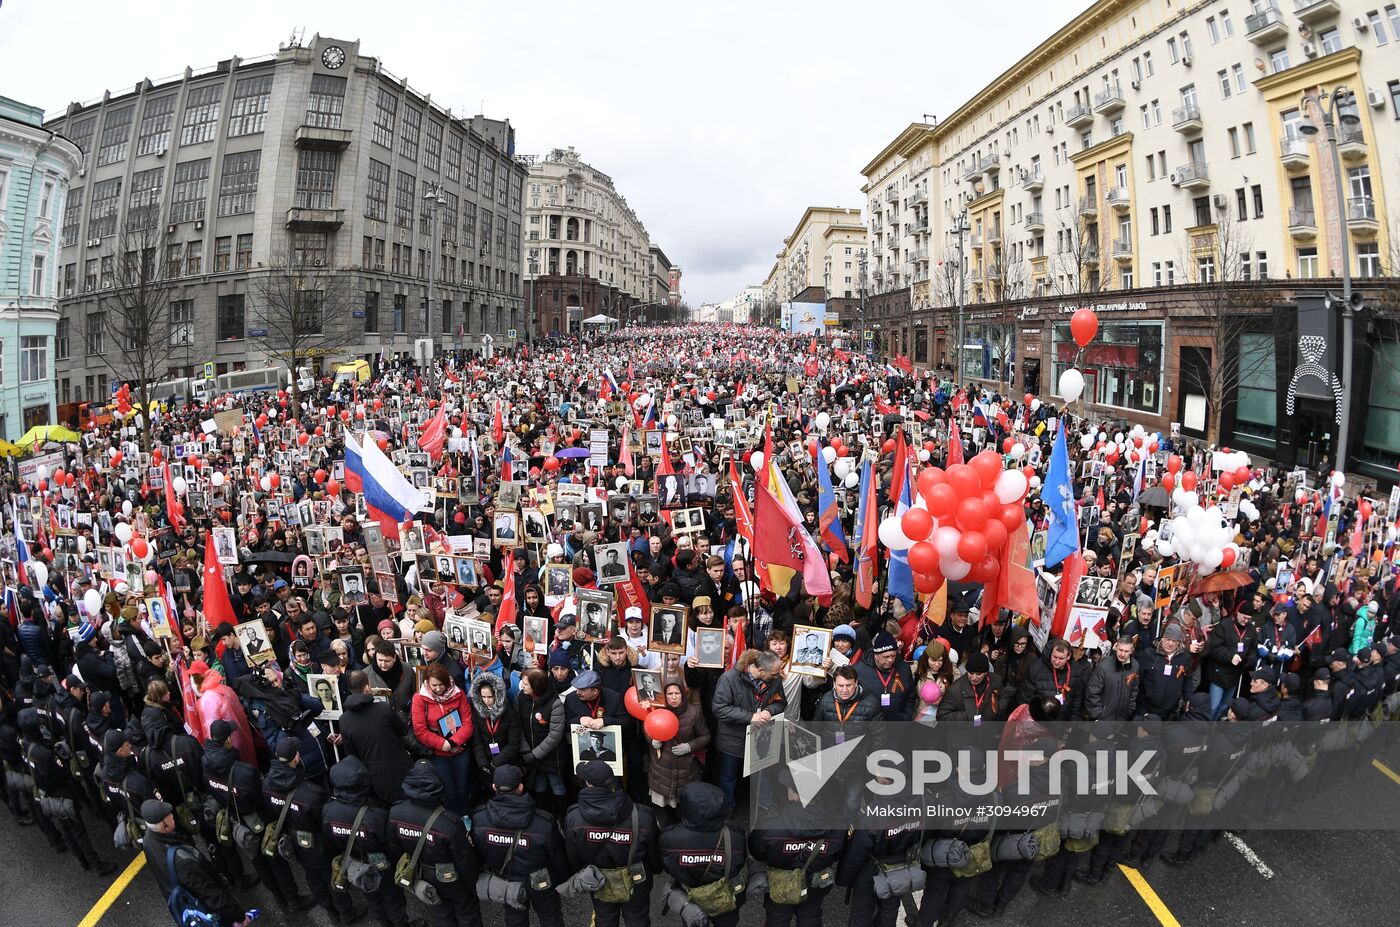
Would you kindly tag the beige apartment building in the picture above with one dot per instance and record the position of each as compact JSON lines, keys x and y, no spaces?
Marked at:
{"x":1146,"y":159}
{"x":819,"y":263}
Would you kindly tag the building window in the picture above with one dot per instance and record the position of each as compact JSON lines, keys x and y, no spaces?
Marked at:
{"x":116,"y":135}
{"x":1126,"y":364}
{"x":33,"y":358}
{"x":157,"y":119}
{"x":1383,"y":413}
{"x":201,"y":114}
{"x":194,"y":257}
{"x":432,"y":151}
{"x":1224,"y":77}
{"x":143,"y":202}
{"x":447,"y":316}
{"x":36,"y":277}
{"x":473,"y":164}
{"x":72,"y":213}
{"x":1241,"y":204}
{"x":386,"y":110}
{"x":1394,"y":87}
{"x":238,"y":185}
{"x":1261,"y":264}
{"x":248,"y":109}
{"x":400,"y":312}
{"x":81,"y":135}
{"x":89,"y":275}
{"x":1307,"y":263}
{"x":1234,"y":135}
{"x":1368,"y":259}
{"x":223,"y":253}
{"x":181,"y":321}
{"x":454,"y":157}
{"x":371,"y":311}
{"x":315,"y":179}
{"x":106,"y":201}
{"x":243,"y":257}
{"x":60,"y":340}
{"x":70,"y":279}
{"x":230,"y":313}
{"x":1237,"y":71}
{"x":1125,"y":279}
{"x":404,"y":195}
{"x":1257,"y":192}
{"x":96,"y":333}
{"x":1205,"y":270}
{"x":1331,"y":40}
{"x":409,"y":132}
{"x":310,"y":249}
{"x":1278,"y":60}
{"x":326,"y":103}
{"x":188,"y":199}
{"x":1256,"y":398}
{"x":377,"y":192}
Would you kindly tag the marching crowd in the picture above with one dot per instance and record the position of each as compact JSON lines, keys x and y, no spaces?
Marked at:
{"x":226,"y":647}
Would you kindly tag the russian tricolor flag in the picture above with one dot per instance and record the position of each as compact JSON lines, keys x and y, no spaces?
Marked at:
{"x":389,"y":497}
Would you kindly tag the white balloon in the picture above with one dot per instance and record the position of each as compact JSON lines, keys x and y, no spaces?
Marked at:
{"x":216,"y":478}
{"x":1035,"y":482}
{"x":1086,"y":441}
{"x":1118,"y":439}
{"x":40,"y":571}
{"x":923,"y":456}
{"x":892,"y":534}
{"x":265,"y":483}
{"x":823,"y":419}
{"x":842,"y":467}
{"x":954,"y":568}
{"x":82,"y":545}
{"x":852,"y":480}
{"x":1035,"y":405}
{"x":179,"y":485}
{"x":1071,"y":384}
{"x":126,"y":506}
{"x":123,"y":532}
{"x":41,"y":472}
{"x":756,"y":461}
{"x":671,"y":421}
{"x":828,"y":453}
{"x":271,"y":413}
{"x":1338,"y":478}
{"x":620,"y":482}
{"x":92,"y":599}
{"x":1011,"y":486}
{"x":1164,"y":548}
{"x":946,"y":540}
{"x":1018,"y":450}
{"x":1214,"y":557}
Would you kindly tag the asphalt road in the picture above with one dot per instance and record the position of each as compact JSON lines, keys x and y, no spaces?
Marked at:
{"x":1242,"y":879}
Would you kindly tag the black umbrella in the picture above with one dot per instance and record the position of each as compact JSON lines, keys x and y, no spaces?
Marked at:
{"x":1156,"y":497}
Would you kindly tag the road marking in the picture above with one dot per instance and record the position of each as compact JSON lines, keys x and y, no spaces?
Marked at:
{"x":1250,"y":856}
{"x":1394,"y":776}
{"x":113,"y":892}
{"x":1149,"y":897}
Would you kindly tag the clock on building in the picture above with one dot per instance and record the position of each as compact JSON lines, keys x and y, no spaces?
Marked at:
{"x":333,"y":57}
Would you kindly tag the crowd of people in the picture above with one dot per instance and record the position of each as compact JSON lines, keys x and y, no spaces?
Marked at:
{"x":233,"y":644}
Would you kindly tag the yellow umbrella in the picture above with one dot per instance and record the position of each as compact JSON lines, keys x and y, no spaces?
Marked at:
{"x":9,"y":450}
{"x":41,"y":433}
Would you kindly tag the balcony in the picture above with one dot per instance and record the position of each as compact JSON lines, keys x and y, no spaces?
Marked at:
{"x":917,"y":197}
{"x":921,"y":227}
{"x":322,"y":138}
{"x":975,"y":241}
{"x":1122,"y":249}
{"x":974,"y":276}
{"x":974,"y":170}
{"x":1035,"y":223}
{"x":1193,"y":175}
{"x":1361,"y":216}
{"x":1266,"y":26}
{"x":891,"y":195}
{"x":918,"y":254}
{"x":990,"y":164}
{"x":303,"y":219}
{"x":1295,"y":154}
{"x":1351,"y":142}
{"x":1033,"y":182}
{"x":1078,"y":115}
{"x":1089,"y":206}
{"x":993,"y":272}
{"x":1118,"y":199}
{"x":1187,"y":120}
{"x":994,"y":235}
{"x":1312,"y":11}
{"x":1109,"y":100}
{"x":1302,"y":224}
{"x":1089,"y":257}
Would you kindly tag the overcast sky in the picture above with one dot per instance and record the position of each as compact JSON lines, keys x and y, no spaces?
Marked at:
{"x":719,"y":121}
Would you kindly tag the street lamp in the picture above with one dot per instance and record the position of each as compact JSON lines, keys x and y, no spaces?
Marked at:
{"x":534,"y":268}
{"x":864,"y":263}
{"x":961,"y":227}
{"x":434,"y":201}
{"x":1339,"y":105}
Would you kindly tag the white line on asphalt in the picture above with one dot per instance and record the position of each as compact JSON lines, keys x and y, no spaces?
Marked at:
{"x":1250,"y":856}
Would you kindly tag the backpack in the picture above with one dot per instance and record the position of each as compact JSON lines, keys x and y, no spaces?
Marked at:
{"x":185,"y":908}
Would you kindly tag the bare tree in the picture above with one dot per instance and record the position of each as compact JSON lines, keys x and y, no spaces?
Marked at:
{"x":1077,"y":267}
{"x":306,"y":306}
{"x":1222,"y":300}
{"x":136,"y":308}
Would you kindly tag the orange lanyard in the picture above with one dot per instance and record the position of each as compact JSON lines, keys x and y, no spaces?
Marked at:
{"x":842,"y":719}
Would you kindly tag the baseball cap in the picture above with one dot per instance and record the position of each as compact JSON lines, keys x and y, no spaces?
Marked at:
{"x":587,"y":680}
{"x":633,"y":613}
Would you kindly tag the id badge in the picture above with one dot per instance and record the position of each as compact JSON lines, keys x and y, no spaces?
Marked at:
{"x":976,"y":720}
{"x":494,"y":748}
{"x":1060,"y":697}
{"x":1166,"y":669}
{"x":1239,"y":648}
{"x":884,"y":700}
{"x":840,"y":737}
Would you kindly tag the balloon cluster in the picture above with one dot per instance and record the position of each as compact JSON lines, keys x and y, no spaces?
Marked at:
{"x":1201,"y":534}
{"x":659,"y":723}
{"x":961,"y":520}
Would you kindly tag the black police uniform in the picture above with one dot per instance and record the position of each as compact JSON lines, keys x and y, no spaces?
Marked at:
{"x":446,"y":860}
{"x":56,"y":806}
{"x":302,"y":827}
{"x":598,"y":831}
{"x":897,"y":844}
{"x":945,"y":892}
{"x":796,"y":839}
{"x":351,"y":792}
{"x":510,"y":826}
{"x":693,"y":851}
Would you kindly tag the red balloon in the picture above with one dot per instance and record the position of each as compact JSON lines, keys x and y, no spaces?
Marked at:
{"x":332,"y":488}
{"x":842,"y":452}
{"x":630,"y":702}
{"x":1173,"y":463}
{"x":378,"y":404}
{"x":1012,"y":516}
{"x":140,"y":548}
{"x":813,"y":448}
{"x":984,"y":570}
{"x":1028,"y":398}
{"x":927,"y":583}
{"x":1168,"y":481}
{"x":923,"y":557}
{"x":1083,"y":325}
{"x":274,"y":479}
{"x":1028,"y":470}
{"x":661,"y":724}
{"x":916,"y":524}
{"x":1227,"y":558}
{"x":1188,"y":481}
{"x":1007,"y":444}
{"x":303,"y":439}
{"x":1226,"y":481}
{"x":929,"y":477}
{"x":972,"y":546}
{"x":988,"y":467}
{"x":70,"y":480}
{"x":995,"y":532}
{"x":383,"y":444}
{"x":156,"y":456}
{"x":888,"y":446}
{"x":971,"y":514}
{"x":931,"y":447}
{"x":319,"y":476}
{"x":964,"y":481}
{"x":117,"y":459}
{"x":990,"y":500}
{"x":320,"y":431}
{"x":551,"y":464}
{"x":1242,"y":476}
{"x":942,"y":500}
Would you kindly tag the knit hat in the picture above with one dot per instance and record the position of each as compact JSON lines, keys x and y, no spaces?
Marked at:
{"x":387,"y":626}
{"x":884,"y":642}
{"x":86,"y":632}
{"x":220,"y":731}
{"x":596,"y":773}
{"x":559,"y":658}
{"x":1172,"y":633}
{"x":425,"y":625}
{"x":552,"y":551}
{"x":844,"y":630}
{"x":286,"y":749}
{"x":434,"y":640}
{"x":978,"y":663}
{"x":582,"y":576}
{"x":1241,"y":708}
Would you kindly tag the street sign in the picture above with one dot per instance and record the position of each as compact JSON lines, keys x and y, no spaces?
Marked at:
{"x":511,"y":334}
{"x":257,"y":333}
{"x":487,"y":339}
{"x":208,"y":370}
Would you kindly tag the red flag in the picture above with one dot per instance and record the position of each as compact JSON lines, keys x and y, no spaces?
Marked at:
{"x":217,"y":607}
{"x":194,"y":722}
{"x":743,"y":518}
{"x":174,"y":510}
{"x":630,"y":592}
{"x":867,"y":533}
{"x":809,"y":367}
{"x":171,"y":616}
{"x":1074,"y":569}
{"x":955,"y":450}
{"x":904,"y":363}
{"x":506,"y":615}
{"x":812,"y":348}
{"x":498,"y":428}
{"x":1314,"y":637}
{"x":605,"y":391}
{"x":434,"y":436}
{"x":740,"y":641}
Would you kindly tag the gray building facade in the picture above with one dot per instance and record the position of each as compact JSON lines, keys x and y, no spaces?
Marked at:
{"x":317,"y":152}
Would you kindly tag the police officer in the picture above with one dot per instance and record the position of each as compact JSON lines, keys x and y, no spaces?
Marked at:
{"x":608,"y":830}
{"x":124,"y":787}
{"x":419,"y":824}
{"x":194,"y":872}
{"x":288,"y":797}
{"x":896,"y":845}
{"x":520,"y":843}
{"x":702,"y":849}
{"x":15,"y":781}
{"x":352,"y":809}
{"x":56,"y":809}
{"x":797,"y":840}
{"x":236,"y":788}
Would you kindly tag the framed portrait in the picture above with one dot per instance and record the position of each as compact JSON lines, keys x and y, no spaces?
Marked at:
{"x":479,"y":637}
{"x":537,"y":632}
{"x":667,"y":632}
{"x":225,"y":545}
{"x":595,"y":614}
{"x":481,"y":548}
{"x":654,"y":441}
{"x":565,"y":515}
{"x":158,"y":615}
{"x":591,"y":517}
{"x":810,"y":646}
{"x":694,"y":520}
{"x":508,"y":496}
{"x":374,"y":537}
{"x":763,"y":745}
{"x":612,"y":563}
{"x":570,"y":492}
{"x":558,"y":581}
{"x":427,"y":568}
{"x":801,"y":745}
{"x":505,"y":529}
{"x":352,"y":586}
{"x":411,"y":540}
{"x":253,"y":641}
{"x":466,"y":571}
{"x":670,"y":490}
{"x":648,"y":684}
{"x":536,"y":527}
{"x":388,"y":586}
{"x":454,"y":627}
{"x":709,"y":648}
{"x":604,"y":744}
{"x":326,"y":689}
{"x":446,"y":569}
{"x":411,"y":653}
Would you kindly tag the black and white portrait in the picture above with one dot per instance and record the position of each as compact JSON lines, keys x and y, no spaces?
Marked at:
{"x":225,"y":546}
{"x":667,"y":629}
{"x":612,"y":563}
{"x":536,"y":527}
{"x":454,"y":627}
{"x":479,"y":637}
{"x":508,"y":496}
{"x":595,"y":612}
{"x":709,"y":648}
{"x":352,"y":586}
{"x":505,"y":531}
{"x":763,"y":745}
{"x":591,"y":517}
{"x":668,"y":488}
{"x":558,"y":581}
{"x":604,"y":744}
{"x":326,"y":690}
{"x":537,"y":632}
{"x":411,"y":540}
{"x":466,"y":571}
{"x":253,"y":641}
{"x":648,"y":684}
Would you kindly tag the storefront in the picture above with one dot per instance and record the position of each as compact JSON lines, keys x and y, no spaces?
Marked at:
{"x":1122,"y":366}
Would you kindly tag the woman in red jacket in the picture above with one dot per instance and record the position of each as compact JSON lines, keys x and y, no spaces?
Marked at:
{"x":442,"y":721}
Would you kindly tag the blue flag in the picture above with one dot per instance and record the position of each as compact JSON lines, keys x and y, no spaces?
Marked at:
{"x":900,"y":583}
{"x":1057,"y":492}
{"x":832,"y":534}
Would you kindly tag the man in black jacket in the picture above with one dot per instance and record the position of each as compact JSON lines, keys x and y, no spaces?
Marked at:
{"x":1055,"y":676}
{"x":445,"y":861}
{"x":352,"y":809}
{"x":1112,"y":692}
{"x":887,"y":678}
{"x":195,"y":875}
{"x":297,"y":803}
{"x":377,"y":734}
{"x":1164,"y":669}
{"x":694,"y":850}
{"x":57,"y":811}
{"x":606,"y":829}
{"x":1230,"y":649}
{"x":797,"y":838}
{"x":519,"y":843}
